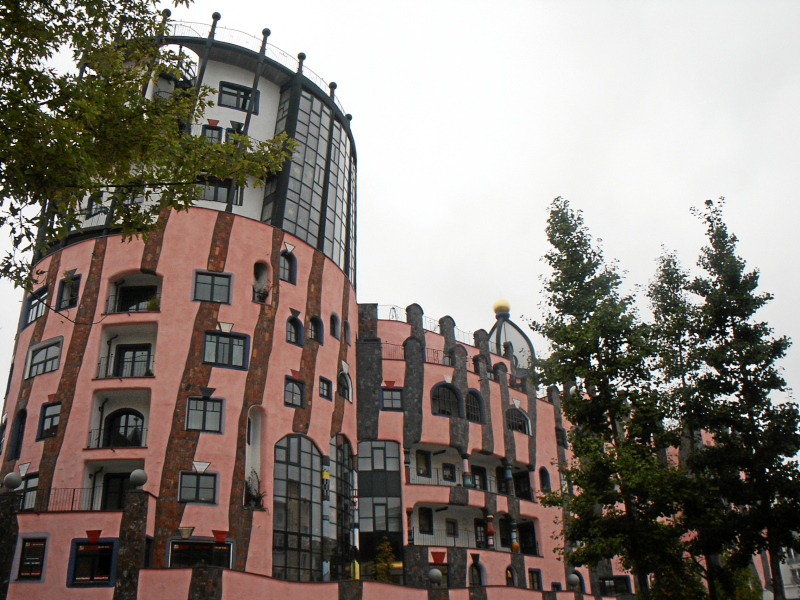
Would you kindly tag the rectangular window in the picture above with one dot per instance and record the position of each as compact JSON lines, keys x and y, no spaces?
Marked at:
{"x":185,"y":554}
{"x":212,"y":134}
{"x":479,"y":478}
{"x":392,"y":399}
{"x":31,"y":558}
{"x":504,"y":531}
{"x":48,"y":420}
{"x":236,"y":96}
{"x":211,"y":287}
{"x":29,"y":487}
{"x":44,"y":359}
{"x":451,"y":528}
{"x":612,"y":586}
{"x":423,"y":463}
{"x":68,"y":292}
{"x":480,"y":533}
{"x":448,"y":472}
{"x":35,"y":305}
{"x":198,"y":487}
{"x":225,"y":349}
{"x":425,"y":520}
{"x":132,"y":360}
{"x":204,"y":414}
{"x":325,"y":388}
{"x":215,"y":190}
{"x":93,"y":564}
{"x":535,"y":579}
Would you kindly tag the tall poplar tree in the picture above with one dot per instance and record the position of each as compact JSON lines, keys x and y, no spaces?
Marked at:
{"x":625,"y":502}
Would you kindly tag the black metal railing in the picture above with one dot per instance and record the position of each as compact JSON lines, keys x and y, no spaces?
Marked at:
{"x":436,"y":476}
{"x":451,"y":538}
{"x":131,"y":437}
{"x":110,"y":367}
{"x":393,"y":351}
{"x":119,"y":303}
{"x":438,"y":357}
{"x":68,"y":500}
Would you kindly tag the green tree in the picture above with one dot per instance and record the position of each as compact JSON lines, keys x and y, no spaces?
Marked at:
{"x":750,"y":461}
{"x":625,"y":503}
{"x":384,"y":559}
{"x":71,"y":134}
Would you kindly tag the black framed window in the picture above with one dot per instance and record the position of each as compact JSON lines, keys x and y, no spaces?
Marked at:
{"x":479,"y":480}
{"x":212,"y":287}
{"x":132,"y":360}
{"x":343,"y":386}
{"x":504,"y":531}
{"x":294,"y":331}
{"x":212,"y":133}
{"x":544,"y":481}
{"x":198,"y":487}
{"x":425,"y":517}
{"x":293,"y":393}
{"x":212,"y":189}
{"x":137,"y":298}
{"x":204,"y":414}
{"x":448,"y":472}
{"x":35,"y":305}
{"x":475,"y":575}
{"x":535,"y":579}
{"x":225,"y":349}
{"x":528,"y":543}
{"x":451,"y":528}
{"x":522,"y":485}
{"x":517,"y":421}
{"x":184,"y":554}
{"x":287,"y":267}
{"x":124,"y":428}
{"x":511,"y":577}
{"x":237,"y":96}
{"x":612,"y":586}
{"x":68,"y":292}
{"x":444,"y":401}
{"x":423,"y":463}
{"x":315,"y":329}
{"x":392,"y":399}
{"x":93,"y":564}
{"x":474,"y":407}
{"x":17,"y":435}
{"x":502,"y":483}
{"x":480,"y":533}
{"x":44,"y":359}
{"x":297,"y":510}
{"x":48,"y":420}
{"x":31,"y":558}
{"x":325,"y":388}
{"x":29,"y":487}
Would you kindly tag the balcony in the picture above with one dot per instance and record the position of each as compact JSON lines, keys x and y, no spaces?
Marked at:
{"x":71,"y":500}
{"x":130,"y":363}
{"x":135,"y":299}
{"x":459,"y":538}
{"x":132,"y":437}
{"x":436,"y":476}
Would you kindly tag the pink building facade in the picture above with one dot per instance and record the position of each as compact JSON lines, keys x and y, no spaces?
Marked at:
{"x":211,"y":414}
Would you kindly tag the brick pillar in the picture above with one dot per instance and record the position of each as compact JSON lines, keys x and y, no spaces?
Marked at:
{"x":206,"y":583}
{"x":9,"y":502}
{"x":132,"y":545}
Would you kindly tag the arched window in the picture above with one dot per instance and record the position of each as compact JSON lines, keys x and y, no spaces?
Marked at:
{"x":511,"y":577}
{"x":17,"y":435}
{"x":335,"y":326}
{"x":343,"y":386}
{"x":475,"y":575}
{"x":294,"y":331}
{"x":517,"y":421}
{"x":287,"y":267}
{"x":342,"y":470}
{"x":297,"y":510}
{"x":124,"y":428}
{"x":444,"y":401}
{"x":544,"y":480}
{"x":474,"y":407}
{"x":293,"y":393}
{"x":346,"y":331}
{"x":315,"y":329}
{"x":260,"y":282}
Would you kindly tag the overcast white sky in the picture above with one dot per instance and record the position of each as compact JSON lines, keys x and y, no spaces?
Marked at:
{"x":470,"y":117}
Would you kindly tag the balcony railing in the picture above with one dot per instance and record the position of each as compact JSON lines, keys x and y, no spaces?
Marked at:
{"x":438,"y":357}
{"x":459,"y":538}
{"x":110,"y":367}
{"x":392,"y":351}
{"x":436,"y":476}
{"x":118,"y":303}
{"x":133,"y":437}
{"x":68,"y":500}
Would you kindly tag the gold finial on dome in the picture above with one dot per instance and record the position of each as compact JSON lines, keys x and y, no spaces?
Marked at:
{"x":501,"y":306}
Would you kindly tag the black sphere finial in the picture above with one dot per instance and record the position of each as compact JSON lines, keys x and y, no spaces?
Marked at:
{"x":349,"y":117}
{"x":302,"y":56}
{"x":332,"y":85}
{"x":166,"y":13}
{"x":216,"y":16}
{"x":266,"y":32}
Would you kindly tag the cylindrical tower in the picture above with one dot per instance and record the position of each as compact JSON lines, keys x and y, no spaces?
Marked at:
{"x":217,"y":357}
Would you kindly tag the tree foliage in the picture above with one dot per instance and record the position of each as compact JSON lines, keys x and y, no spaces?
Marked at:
{"x":70,"y":134}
